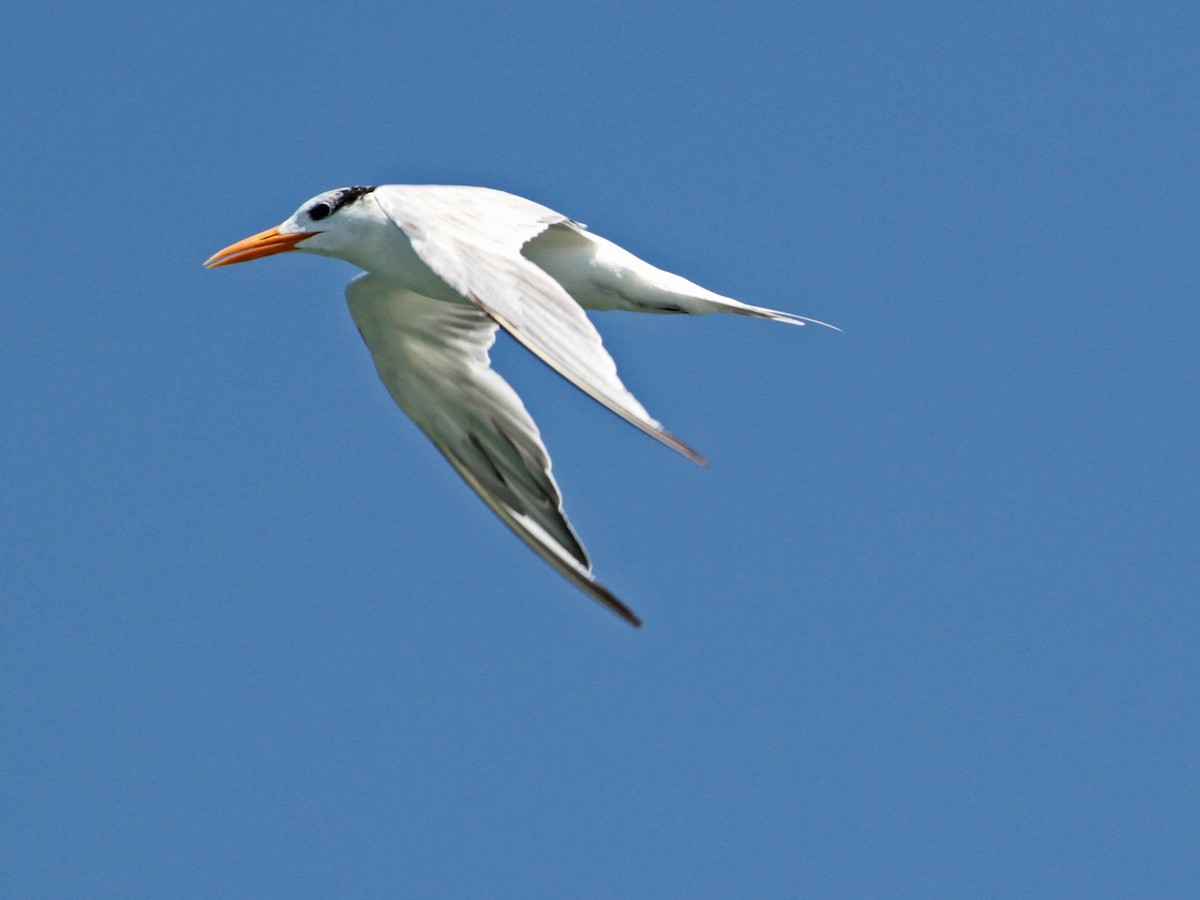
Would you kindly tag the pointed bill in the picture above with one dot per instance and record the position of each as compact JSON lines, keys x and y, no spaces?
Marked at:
{"x":265,"y":243}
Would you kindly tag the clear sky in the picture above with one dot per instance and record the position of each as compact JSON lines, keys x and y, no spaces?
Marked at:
{"x":928,"y":627}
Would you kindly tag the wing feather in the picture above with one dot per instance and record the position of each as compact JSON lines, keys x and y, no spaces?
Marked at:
{"x":471,"y":238}
{"x":433,"y":358}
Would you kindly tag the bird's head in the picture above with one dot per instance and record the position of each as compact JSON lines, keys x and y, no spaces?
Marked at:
{"x":330,"y":224}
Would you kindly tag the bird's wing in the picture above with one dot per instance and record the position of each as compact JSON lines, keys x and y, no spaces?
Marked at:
{"x":433,"y":358}
{"x":472,"y":238}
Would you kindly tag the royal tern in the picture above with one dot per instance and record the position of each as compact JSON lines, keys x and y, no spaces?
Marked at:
{"x":443,"y":267}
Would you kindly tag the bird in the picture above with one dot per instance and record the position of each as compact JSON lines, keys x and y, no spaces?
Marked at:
{"x":443,"y":268}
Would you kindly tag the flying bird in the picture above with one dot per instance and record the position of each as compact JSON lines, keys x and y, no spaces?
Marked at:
{"x":443,"y":268}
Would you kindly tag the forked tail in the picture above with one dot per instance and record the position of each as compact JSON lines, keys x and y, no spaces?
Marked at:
{"x":726,"y":304}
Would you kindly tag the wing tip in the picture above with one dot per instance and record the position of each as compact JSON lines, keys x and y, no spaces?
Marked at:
{"x":629,"y":616}
{"x":680,"y":447}
{"x":610,"y":602}
{"x":587,"y":582}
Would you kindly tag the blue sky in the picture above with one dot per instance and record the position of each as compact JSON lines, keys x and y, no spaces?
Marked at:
{"x":928,"y":626}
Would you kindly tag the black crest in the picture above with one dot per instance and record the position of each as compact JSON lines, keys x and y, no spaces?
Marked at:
{"x":348,"y":195}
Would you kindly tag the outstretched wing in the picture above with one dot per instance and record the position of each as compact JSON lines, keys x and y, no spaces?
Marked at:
{"x":471,"y":238}
{"x":433,"y":359}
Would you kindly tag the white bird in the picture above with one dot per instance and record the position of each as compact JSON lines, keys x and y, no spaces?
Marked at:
{"x":443,"y":267}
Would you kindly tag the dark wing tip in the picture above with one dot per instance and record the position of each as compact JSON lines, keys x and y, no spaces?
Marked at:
{"x":628,"y":615}
{"x":624,"y":612}
{"x":609,"y":601}
{"x":679,"y":446}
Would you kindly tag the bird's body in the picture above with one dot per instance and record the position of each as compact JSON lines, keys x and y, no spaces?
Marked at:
{"x":443,"y":267}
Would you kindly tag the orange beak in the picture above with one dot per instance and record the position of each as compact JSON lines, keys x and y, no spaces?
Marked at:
{"x":265,"y":243}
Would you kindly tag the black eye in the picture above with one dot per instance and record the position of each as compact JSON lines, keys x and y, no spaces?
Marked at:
{"x":319,"y":211}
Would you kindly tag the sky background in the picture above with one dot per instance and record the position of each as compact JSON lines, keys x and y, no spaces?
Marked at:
{"x":928,"y":627}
